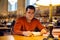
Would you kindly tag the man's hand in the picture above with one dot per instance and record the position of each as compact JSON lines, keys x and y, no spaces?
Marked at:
{"x":27,"y":33}
{"x":44,"y":31}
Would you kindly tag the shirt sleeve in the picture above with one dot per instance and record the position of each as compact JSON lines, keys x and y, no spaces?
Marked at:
{"x":39,"y":25}
{"x":17,"y":27}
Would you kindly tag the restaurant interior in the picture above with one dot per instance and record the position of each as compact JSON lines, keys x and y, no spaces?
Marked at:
{"x":46,"y":10}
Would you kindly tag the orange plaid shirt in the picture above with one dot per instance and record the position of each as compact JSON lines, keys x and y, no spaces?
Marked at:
{"x":22,"y":25}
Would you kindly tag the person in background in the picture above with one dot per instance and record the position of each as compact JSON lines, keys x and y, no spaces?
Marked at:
{"x":55,"y":21}
{"x":26,"y":25}
{"x":58,"y":22}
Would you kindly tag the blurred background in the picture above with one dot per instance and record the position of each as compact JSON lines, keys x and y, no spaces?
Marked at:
{"x":12,"y":9}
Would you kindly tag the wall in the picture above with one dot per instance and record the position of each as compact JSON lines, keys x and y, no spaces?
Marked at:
{"x":3,"y":7}
{"x":21,"y":7}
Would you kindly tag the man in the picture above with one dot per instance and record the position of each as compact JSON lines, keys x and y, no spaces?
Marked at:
{"x":26,"y":25}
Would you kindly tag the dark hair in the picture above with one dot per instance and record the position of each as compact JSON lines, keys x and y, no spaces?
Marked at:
{"x":30,"y":7}
{"x":55,"y":18}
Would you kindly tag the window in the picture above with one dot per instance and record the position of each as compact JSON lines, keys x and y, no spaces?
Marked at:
{"x":30,"y":2}
{"x":12,"y":5}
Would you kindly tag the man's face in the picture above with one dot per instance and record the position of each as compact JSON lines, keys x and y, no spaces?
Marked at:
{"x":30,"y":14}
